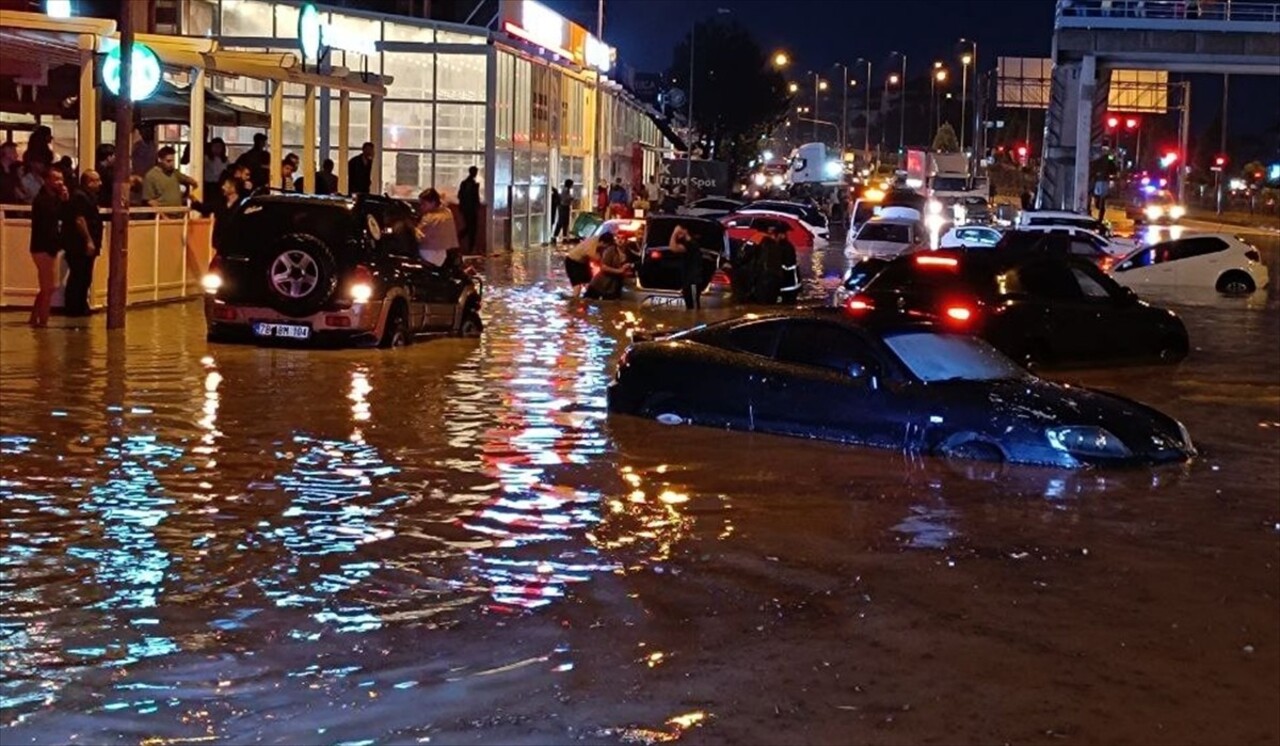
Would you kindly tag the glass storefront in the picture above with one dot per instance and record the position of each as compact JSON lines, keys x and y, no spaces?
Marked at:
{"x":436,"y":116}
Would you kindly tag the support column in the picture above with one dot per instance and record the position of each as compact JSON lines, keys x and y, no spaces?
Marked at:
{"x":1086,"y":87}
{"x":326,"y":122}
{"x":344,"y":140}
{"x":375,"y":136}
{"x":197,"y":131}
{"x":309,"y":141}
{"x":276,"y":135}
{"x":490,"y":145}
{"x":1184,"y":128}
{"x":87,"y":131}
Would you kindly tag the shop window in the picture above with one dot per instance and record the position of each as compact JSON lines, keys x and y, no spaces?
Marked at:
{"x":286,"y":21}
{"x":406,"y":174}
{"x":359,"y":123}
{"x":522,"y":161}
{"x":408,"y":32}
{"x":460,"y":77}
{"x":523,"y":102}
{"x":407,"y":125}
{"x":412,"y":73}
{"x":460,"y":126}
{"x":246,"y":18}
{"x":451,"y":169}
{"x":198,"y":17}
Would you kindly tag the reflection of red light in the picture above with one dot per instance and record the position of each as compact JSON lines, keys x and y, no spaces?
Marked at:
{"x":959,"y":313}
{"x":936,"y":261}
{"x":1106,"y":263}
{"x":859,"y":303}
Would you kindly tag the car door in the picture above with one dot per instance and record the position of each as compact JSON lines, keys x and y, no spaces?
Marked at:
{"x":1126,"y":328}
{"x":1199,"y":261}
{"x":396,"y":252}
{"x":1072,"y":325}
{"x":824,"y":382}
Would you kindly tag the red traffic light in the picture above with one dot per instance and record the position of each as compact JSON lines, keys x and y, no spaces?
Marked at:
{"x":1131,"y":123}
{"x":1220,"y":161}
{"x":1022,"y":151}
{"x":1113,"y":122}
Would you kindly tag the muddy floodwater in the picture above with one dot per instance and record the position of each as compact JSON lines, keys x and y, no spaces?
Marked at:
{"x":453,"y":543}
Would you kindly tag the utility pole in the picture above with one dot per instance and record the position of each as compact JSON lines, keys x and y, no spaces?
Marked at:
{"x":815,"y":107}
{"x":118,"y":268}
{"x":600,"y":20}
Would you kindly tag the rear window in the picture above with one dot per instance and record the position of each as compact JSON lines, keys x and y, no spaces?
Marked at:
{"x":905,"y":274}
{"x":892,"y":232}
{"x":260,"y":225}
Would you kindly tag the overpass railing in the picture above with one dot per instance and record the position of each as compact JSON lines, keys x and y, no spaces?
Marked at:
{"x":1169,"y":15}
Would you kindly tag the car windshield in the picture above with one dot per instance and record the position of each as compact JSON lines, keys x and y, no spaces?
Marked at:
{"x":950,"y":183}
{"x":952,"y":357}
{"x":891,"y":232}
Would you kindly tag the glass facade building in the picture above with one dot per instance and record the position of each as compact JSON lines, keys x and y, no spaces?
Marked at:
{"x":459,"y":96}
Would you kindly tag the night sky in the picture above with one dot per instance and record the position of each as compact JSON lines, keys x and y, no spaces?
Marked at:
{"x":819,"y":33}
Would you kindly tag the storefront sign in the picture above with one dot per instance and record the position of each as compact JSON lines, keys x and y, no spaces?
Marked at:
{"x":316,"y":38}
{"x":597,"y":54}
{"x":706,"y":177}
{"x":145,"y":73}
{"x":536,"y":24}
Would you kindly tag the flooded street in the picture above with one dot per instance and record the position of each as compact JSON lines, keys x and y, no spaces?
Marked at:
{"x":452,"y":543}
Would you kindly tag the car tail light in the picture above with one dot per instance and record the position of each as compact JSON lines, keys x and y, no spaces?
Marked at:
{"x":361,"y":285}
{"x":224,"y":313}
{"x":860,"y":303}
{"x":960,"y":314}
{"x":926,"y":260}
{"x":1253,"y":255}
{"x":337,"y":320}
{"x":720,"y":278}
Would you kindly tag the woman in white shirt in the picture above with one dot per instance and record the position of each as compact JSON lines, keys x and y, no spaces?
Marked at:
{"x":436,"y":231}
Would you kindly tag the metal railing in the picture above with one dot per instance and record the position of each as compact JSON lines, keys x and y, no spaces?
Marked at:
{"x":1188,"y":15}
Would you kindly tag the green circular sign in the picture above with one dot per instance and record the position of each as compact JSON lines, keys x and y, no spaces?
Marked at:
{"x":145,"y":73}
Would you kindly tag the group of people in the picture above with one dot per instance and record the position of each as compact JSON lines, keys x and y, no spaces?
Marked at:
{"x":65,"y":220}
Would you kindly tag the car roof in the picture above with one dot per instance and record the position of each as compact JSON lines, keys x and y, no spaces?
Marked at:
{"x":880,"y":324}
{"x":1028,"y":214}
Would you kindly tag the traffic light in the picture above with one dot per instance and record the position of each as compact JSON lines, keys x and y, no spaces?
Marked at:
{"x":1131,"y":123}
{"x":1168,"y":159}
{"x":1022,"y":155}
{"x":1219,"y":163}
{"x":1113,"y":121}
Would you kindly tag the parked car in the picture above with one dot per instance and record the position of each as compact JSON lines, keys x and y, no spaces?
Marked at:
{"x":863,"y":210}
{"x":659,"y":271}
{"x":1112,"y":246}
{"x":884,"y":381}
{"x":1039,"y":218}
{"x":970,"y":237}
{"x":710,"y":207}
{"x":810,"y":216}
{"x":1036,"y":307}
{"x":1063,"y":240}
{"x":332,"y":270}
{"x":886,"y":237}
{"x":744,"y":226}
{"x":1228,"y":264}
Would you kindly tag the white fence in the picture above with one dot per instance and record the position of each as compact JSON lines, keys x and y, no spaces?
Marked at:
{"x":167,"y":257}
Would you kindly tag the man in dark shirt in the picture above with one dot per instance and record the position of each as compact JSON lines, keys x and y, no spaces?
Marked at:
{"x":469,"y":206}
{"x":82,"y":240}
{"x":258,"y":159}
{"x":46,"y":242}
{"x":326,"y":179}
{"x":360,"y":171}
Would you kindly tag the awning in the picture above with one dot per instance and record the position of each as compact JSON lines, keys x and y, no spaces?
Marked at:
{"x":171,"y":104}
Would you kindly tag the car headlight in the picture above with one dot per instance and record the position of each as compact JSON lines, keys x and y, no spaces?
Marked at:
{"x":361,"y":292}
{"x":211,"y":282}
{"x":1177,"y":211}
{"x":1085,"y":440}
{"x":934,"y":207}
{"x":1154,"y":212}
{"x":1186,"y":437}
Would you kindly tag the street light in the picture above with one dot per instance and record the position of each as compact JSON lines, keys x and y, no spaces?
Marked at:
{"x":781,"y":59}
{"x":793,"y":87}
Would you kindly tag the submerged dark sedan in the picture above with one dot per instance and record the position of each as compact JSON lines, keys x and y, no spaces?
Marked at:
{"x":887,"y":382}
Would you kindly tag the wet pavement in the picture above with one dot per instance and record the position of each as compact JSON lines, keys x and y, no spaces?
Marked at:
{"x":453,"y":543}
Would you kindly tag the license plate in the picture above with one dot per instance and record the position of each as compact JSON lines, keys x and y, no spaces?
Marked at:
{"x":284,"y":331}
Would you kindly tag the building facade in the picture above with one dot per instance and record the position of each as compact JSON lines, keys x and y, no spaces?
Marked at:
{"x":527,"y":116}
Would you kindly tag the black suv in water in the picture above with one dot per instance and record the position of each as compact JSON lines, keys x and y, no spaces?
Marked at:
{"x":332,"y":270}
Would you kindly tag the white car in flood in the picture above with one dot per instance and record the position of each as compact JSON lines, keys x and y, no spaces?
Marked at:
{"x":1219,"y":261}
{"x":887,"y":237}
{"x":970,"y":237}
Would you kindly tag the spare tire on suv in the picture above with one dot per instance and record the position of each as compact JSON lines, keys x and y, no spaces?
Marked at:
{"x":300,"y":274}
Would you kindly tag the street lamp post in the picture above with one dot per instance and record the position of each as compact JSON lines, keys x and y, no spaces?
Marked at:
{"x":902,"y":104}
{"x":844,"y":110}
{"x":866,"y":122}
{"x":965,"y":60}
{"x":939,"y":75}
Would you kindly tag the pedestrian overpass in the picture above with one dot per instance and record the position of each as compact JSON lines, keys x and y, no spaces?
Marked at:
{"x":1093,"y":37}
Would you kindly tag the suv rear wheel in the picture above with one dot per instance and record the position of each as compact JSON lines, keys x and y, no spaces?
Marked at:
{"x":301,"y":275}
{"x":397,"y":332}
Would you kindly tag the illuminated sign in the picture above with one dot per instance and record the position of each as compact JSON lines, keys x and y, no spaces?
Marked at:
{"x":58,"y":8}
{"x":544,"y":26}
{"x":597,"y":54}
{"x":316,"y":38}
{"x":144,"y":74}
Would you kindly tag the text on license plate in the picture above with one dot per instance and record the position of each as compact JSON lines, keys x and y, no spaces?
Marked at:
{"x":287,"y":331}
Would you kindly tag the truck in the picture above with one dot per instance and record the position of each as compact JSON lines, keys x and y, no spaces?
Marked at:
{"x":811,"y":163}
{"x":950,"y":179}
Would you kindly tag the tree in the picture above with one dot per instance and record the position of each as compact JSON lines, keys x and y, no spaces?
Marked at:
{"x":1253,"y":172}
{"x":946,"y":141}
{"x":737,"y":95}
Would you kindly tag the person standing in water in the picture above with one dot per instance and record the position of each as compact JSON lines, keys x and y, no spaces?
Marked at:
{"x":682,"y":243}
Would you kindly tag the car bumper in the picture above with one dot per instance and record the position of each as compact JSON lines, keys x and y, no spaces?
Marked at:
{"x":356,"y":326}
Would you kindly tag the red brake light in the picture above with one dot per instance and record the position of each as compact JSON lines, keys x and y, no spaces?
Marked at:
{"x":1253,"y":255}
{"x":959,"y":313}
{"x":859,"y":303}
{"x":927,"y":260}
{"x":1106,"y":263}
